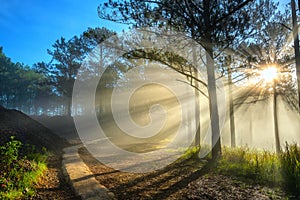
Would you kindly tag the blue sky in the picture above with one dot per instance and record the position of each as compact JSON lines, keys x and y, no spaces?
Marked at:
{"x":29,"y":27}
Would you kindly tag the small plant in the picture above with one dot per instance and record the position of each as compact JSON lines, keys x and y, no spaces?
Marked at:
{"x":10,"y":152}
{"x":18,"y":173}
{"x":290,"y":167}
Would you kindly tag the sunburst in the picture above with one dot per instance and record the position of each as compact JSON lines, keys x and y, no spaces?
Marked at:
{"x":263,"y":76}
{"x":269,"y":74}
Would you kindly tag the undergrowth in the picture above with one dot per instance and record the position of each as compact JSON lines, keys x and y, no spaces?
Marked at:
{"x":290,"y":168}
{"x":264,"y":167}
{"x":260,"y":167}
{"x":19,"y":170}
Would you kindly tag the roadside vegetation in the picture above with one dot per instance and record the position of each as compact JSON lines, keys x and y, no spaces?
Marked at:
{"x":21,"y":166}
{"x":263,"y":167}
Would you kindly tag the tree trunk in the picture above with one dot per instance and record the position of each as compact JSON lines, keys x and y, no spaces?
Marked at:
{"x":69,"y":106}
{"x":231,"y":108}
{"x":251,"y":125}
{"x":197,"y":107}
{"x":296,"y":46}
{"x":276,"y":131}
{"x":212,"y":88}
{"x":213,"y":107}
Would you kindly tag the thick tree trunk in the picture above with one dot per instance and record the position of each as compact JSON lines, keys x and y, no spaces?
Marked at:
{"x":213,"y":107}
{"x":211,"y":79}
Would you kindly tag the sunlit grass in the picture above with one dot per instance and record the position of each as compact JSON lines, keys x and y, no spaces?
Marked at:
{"x":264,"y":167}
{"x":260,"y":166}
{"x":191,"y":152}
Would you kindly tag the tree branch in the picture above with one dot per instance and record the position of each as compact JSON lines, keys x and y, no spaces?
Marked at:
{"x":233,"y":11}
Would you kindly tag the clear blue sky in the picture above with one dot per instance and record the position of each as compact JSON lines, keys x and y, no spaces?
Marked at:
{"x":29,"y":27}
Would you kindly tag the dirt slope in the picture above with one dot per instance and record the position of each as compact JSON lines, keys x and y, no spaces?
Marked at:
{"x":27,"y":130}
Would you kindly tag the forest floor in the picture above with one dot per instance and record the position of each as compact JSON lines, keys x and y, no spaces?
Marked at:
{"x":52,"y":184}
{"x":187,"y":179}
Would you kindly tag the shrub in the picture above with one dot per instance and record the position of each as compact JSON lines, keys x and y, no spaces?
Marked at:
{"x":18,"y":173}
{"x":290,"y":168}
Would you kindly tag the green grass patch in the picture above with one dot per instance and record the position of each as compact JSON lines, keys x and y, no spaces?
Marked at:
{"x":19,"y":170}
{"x":188,"y":153}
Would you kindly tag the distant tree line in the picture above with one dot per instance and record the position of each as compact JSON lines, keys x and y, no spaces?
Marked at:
{"x":21,"y":87}
{"x":46,"y":88}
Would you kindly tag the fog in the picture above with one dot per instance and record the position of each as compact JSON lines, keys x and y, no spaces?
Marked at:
{"x":152,"y":111}
{"x":255,"y":126}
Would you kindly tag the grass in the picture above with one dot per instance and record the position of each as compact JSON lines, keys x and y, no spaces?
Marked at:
{"x":20,"y":170}
{"x":188,"y":153}
{"x":263,"y":167}
{"x":290,"y":168}
{"x":258,"y":167}
{"x":193,"y":152}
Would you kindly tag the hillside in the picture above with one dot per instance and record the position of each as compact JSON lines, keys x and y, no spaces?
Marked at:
{"x":27,"y":130}
{"x":52,"y":184}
